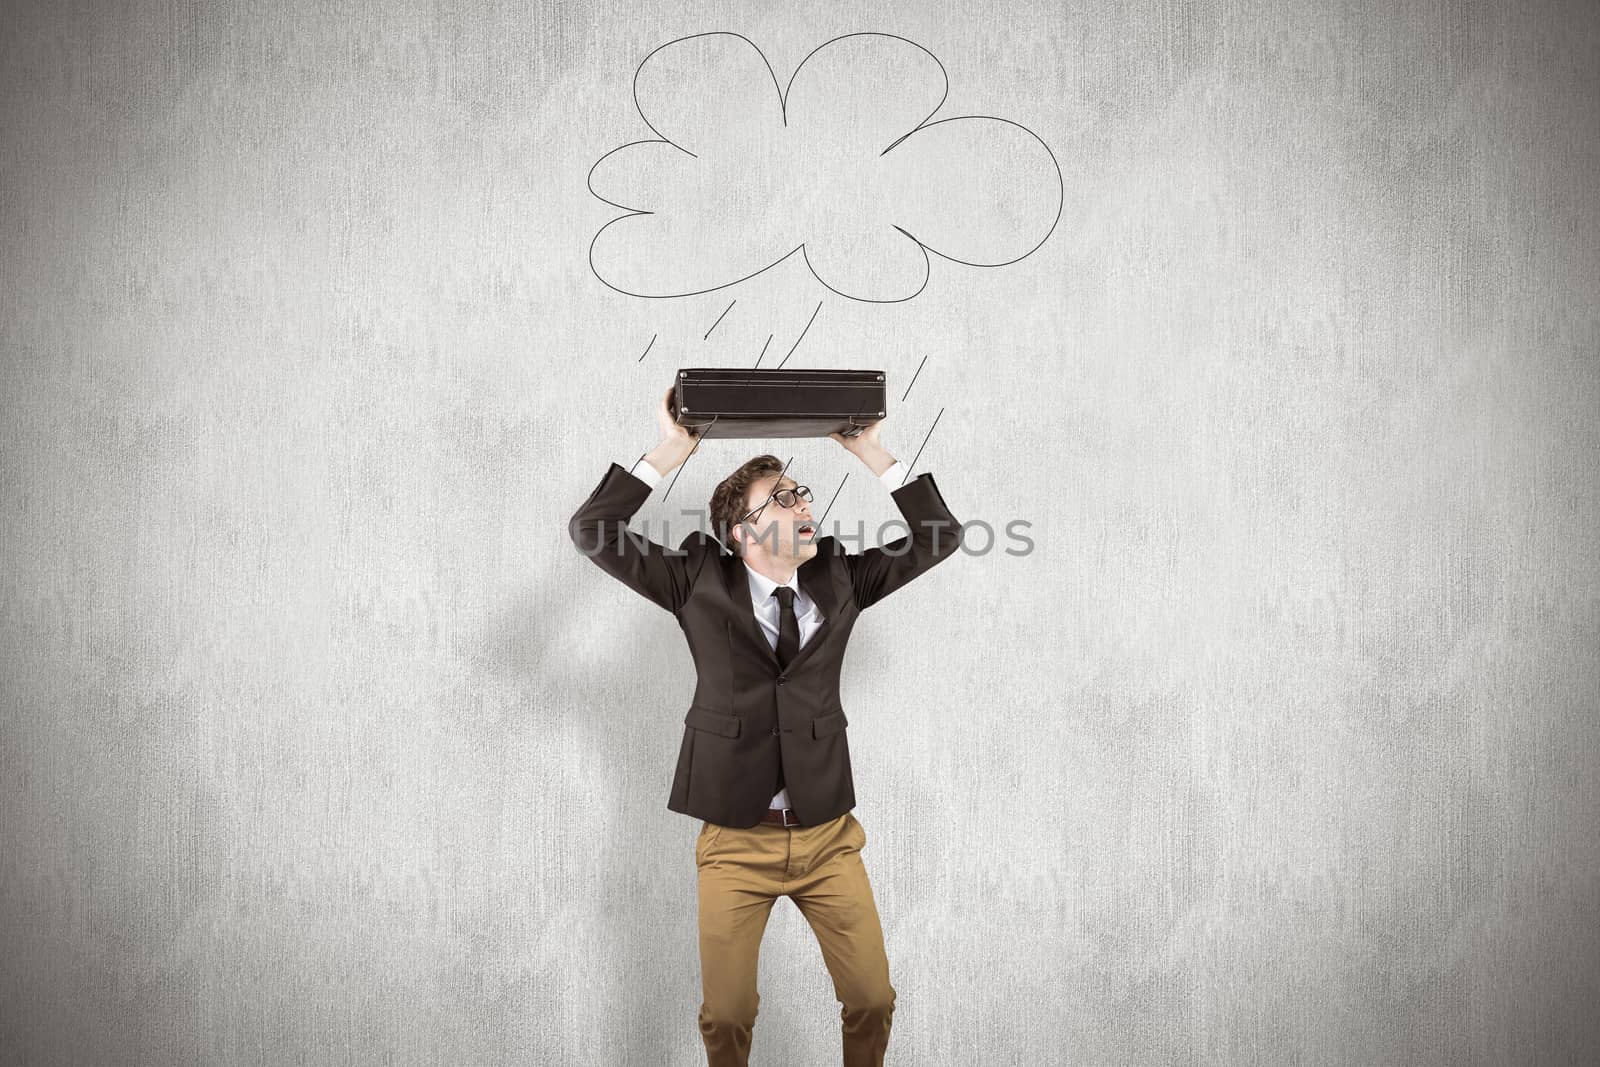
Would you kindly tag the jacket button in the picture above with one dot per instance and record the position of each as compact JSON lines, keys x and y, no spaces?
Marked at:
{"x":774,"y":731}
{"x":780,"y":679}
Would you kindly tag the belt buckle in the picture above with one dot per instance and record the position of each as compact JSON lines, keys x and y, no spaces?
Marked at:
{"x":786,"y":821}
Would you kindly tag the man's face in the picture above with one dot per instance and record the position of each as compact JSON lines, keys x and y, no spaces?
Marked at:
{"x":780,"y":533}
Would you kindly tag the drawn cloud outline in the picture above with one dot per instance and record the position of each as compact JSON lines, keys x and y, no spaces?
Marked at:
{"x":783,"y":102}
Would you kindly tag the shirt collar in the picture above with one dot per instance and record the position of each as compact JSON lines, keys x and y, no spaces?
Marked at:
{"x":761,"y":586}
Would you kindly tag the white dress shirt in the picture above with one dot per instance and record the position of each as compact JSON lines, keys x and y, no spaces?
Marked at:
{"x":762,"y":601}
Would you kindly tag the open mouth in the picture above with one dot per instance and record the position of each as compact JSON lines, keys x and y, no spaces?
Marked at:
{"x":807,"y":529}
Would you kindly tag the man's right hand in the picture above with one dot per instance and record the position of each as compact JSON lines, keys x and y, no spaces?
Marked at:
{"x":677,"y":442}
{"x":670,"y":428}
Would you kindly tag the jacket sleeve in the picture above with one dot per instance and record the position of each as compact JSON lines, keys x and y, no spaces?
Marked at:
{"x":600,"y":530}
{"x":935,"y":535}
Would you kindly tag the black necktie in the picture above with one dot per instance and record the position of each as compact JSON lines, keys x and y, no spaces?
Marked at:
{"x":788,"y":626}
{"x":788,"y":641}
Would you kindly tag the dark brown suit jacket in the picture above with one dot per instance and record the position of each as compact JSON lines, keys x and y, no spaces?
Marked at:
{"x":748,"y":713}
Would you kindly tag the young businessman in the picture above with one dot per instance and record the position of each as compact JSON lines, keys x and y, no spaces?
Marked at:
{"x":767,"y":607}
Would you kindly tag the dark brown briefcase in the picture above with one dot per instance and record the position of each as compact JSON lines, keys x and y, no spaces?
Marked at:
{"x":730,"y":402}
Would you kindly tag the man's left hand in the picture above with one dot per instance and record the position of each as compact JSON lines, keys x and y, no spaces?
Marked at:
{"x":866,"y":447}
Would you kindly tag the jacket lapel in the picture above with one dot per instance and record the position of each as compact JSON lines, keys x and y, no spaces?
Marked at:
{"x":813,"y":575}
{"x":738,"y":587}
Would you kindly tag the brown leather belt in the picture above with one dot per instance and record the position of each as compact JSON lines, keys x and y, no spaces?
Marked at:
{"x":777,"y":815}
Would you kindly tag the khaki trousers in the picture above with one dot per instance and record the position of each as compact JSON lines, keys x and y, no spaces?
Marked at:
{"x":741,"y":872}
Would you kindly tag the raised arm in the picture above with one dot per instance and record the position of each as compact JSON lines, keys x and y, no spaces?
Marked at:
{"x":935,"y":534}
{"x":600,"y":526}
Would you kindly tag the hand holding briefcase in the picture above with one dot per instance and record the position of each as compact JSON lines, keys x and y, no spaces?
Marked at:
{"x":728,"y":402}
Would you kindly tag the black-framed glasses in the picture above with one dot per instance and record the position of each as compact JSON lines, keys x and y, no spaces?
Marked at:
{"x":785,"y":498}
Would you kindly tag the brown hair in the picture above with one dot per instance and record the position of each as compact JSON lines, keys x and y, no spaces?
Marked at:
{"x":728,"y":499}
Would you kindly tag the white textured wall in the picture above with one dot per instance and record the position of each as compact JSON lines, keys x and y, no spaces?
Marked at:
{"x":320,"y":743}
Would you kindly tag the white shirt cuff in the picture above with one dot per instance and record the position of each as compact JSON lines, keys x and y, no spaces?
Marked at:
{"x":894,"y":475}
{"x":647,"y":474}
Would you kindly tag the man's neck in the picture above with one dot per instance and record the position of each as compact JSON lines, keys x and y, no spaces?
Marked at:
{"x":771,"y":569}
